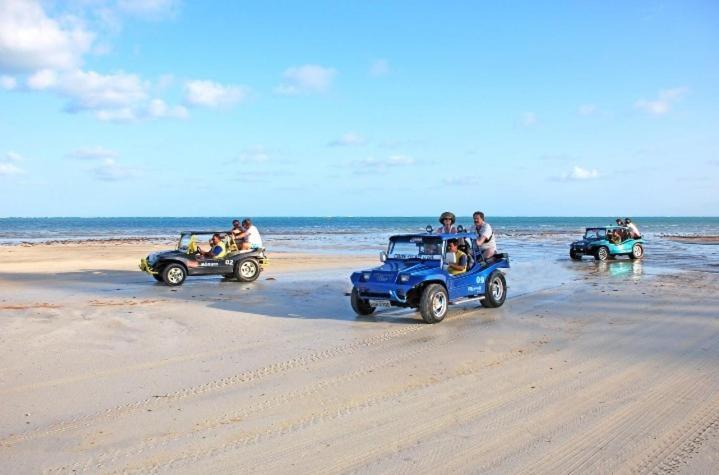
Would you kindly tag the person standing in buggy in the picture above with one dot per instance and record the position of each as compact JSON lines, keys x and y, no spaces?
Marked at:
{"x":447,"y":220}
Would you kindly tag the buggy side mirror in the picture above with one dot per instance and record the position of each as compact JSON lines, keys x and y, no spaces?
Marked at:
{"x":382,"y":256}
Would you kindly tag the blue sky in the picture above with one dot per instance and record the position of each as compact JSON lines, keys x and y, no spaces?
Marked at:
{"x":178,"y":108}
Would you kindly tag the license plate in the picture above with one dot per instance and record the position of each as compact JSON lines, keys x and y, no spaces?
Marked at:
{"x":380,"y":303}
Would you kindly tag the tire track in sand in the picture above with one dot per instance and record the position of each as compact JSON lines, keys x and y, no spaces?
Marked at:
{"x":536,"y":413}
{"x":332,"y":413}
{"x":211,"y":386}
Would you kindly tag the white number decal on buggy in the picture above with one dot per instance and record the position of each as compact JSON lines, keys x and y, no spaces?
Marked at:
{"x":228,"y":263}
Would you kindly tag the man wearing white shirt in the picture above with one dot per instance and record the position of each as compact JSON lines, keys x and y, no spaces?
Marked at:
{"x":251,"y":236}
{"x":486,"y":243}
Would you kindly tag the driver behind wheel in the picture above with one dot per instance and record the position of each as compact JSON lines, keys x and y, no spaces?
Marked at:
{"x":217,"y":250}
{"x":460,"y":260}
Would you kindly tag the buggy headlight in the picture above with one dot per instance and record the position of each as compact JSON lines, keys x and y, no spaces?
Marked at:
{"x":365,"y":276}
{"x":403,"y":278}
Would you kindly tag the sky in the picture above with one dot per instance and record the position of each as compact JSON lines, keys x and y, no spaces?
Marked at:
{"x":355,"y":108}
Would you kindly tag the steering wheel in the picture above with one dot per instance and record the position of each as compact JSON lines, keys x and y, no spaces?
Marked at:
{"x":192,"y":245}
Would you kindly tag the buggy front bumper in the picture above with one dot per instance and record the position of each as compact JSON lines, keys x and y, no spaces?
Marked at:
{"x":146,"y":267}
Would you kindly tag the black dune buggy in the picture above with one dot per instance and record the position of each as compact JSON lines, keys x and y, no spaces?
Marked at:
{"x":173,"y":267}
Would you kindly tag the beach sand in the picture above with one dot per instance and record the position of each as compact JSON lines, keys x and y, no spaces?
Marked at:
{"x":605,"y":368}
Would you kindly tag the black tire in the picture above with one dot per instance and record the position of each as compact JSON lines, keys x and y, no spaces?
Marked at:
{"x":158,"y":277}
{"x":602,"y":253}
{"x":433,"y":303}
{"x":174,"y":274}
{"x":575,"y":256}
{"x":495,"y":290}
{"x":637,"y":251}
{"x":247,"y":270}
{"x":360,"y":305}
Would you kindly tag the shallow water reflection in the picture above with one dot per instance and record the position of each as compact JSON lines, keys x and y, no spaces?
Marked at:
{"x":628,"y":268}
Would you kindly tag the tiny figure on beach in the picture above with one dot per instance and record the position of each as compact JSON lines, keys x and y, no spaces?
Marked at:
{"x":486,"y":243}
{"x":447,"y":220}
{"x":250,"y":236}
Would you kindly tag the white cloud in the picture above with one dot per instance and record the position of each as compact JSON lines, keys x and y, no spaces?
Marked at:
{"x":379,"y":67}
{"x":92,"y":153}
{"x":43,"y":79}
{"x":149,"y":8}
{"x":110,"y":170}
{"x":118,"y":97}
{"x":94,"y":91}
{"x":587,"y":109}
{"x":306,"y":79}
{"x":371,"y":164}
{"x":462,"y":181}
{"x":159,"y":109}
{"x":7,"y":164}
{"x":212,"y":94}
{"x":400,"y":161}
{"x":580,"y":174}
{"x":528,"y":119}
{"x":663,"y":103}
{"x":7,"y":169}
{"x":13,"y":157}
{"x":8,"y":83}
{"x":256,"y":154}
{"x":347,"y":140}
{"x":30,"y":40}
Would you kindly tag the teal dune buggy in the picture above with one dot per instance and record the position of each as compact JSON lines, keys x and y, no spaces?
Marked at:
{"x":606,"y":242}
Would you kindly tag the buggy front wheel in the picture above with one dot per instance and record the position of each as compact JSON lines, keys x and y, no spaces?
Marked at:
{"x":433,"y":303}
{"x":174,"y":274}
{"x":602,"y":254}
{"x":360,"y":305}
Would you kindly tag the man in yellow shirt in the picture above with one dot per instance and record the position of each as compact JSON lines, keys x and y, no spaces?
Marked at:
{"x":460,"y":261}
{"x":217,"y":249}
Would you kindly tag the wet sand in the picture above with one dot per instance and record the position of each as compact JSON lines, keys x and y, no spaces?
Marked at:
{"x":708,"y":240}
{"x":606,"y":368}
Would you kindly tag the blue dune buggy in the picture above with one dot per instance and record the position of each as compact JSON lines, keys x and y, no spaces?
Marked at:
{"x":415,"y":274}
{"x":598,"y":242}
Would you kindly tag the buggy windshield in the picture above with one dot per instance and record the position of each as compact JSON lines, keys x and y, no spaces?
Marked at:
{"x":415,"y":247}
{"x":186,"y":238}
{"x":594,"y":234}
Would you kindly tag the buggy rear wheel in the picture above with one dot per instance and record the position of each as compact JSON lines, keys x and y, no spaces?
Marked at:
{"x":495,"y":291}
{"x":360,"y":305}
{"x":433,"y":303}
{"x":637,"y":251}
{"x":247,"y":270}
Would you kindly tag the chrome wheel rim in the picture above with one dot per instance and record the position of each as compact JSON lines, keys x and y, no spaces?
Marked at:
{"x":497,"y":289}
{"x":248,"y":269}
{"x":439,"y":304}
{"x":602,"y":254}
{"x":638,"y":251}
{"x":175,"y":275}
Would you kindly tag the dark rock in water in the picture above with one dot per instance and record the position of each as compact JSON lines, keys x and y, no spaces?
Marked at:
{"x":270,"y":278}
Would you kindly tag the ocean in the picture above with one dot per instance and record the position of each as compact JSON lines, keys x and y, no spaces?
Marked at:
{"x":525,"y":238}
